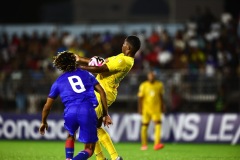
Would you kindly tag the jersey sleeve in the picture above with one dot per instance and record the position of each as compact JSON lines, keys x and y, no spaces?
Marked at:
{"x":93,"y":79}
{"x":116,"y":64}
{"x":141,"y":90}
{"x":54,"y":92}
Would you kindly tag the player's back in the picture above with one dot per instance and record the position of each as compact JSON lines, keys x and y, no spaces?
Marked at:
{"x":75,"y":87}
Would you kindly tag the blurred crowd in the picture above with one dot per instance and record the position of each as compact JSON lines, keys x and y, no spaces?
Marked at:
{"x":208,"y":45}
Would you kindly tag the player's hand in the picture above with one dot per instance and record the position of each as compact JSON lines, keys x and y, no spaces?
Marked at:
{"x":107,"y":121}
{"x":42,"y":128}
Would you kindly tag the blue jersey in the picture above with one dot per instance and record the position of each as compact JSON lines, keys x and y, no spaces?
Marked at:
{"x":74,"y":88}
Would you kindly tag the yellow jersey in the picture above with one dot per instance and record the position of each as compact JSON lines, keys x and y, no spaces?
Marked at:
{"x":118,"y":66}
{"x":151,"y":93}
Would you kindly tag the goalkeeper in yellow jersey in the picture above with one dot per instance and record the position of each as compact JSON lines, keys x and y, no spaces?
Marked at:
{"x":109,"y":76}
{"x":151,"y":107}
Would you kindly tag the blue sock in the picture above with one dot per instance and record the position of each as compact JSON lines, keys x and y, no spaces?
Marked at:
{"x":83,"y":155}
{"x":69,"y":152}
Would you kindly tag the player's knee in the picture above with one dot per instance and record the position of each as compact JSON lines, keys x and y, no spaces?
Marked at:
{"x":71,"y":137}
{"x":90,"y":151}
{"x":89,"y":148}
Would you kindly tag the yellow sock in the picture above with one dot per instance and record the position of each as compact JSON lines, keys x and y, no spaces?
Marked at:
{"x":98,"y":151}
{"x":144,"y":135}
{"x":157,"y":134}
{"x":106,"y":141}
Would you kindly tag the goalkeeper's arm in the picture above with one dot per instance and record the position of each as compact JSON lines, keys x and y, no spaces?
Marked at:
{"x":95,"y":69}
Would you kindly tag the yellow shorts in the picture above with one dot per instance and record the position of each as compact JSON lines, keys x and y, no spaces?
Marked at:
{"x":110,"y":99}
{"x":148,"y":116}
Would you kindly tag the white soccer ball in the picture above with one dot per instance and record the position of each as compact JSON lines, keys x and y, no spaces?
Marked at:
{"x":96,"y":61}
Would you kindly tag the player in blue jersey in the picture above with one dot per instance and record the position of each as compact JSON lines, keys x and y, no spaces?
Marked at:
{"x":76,"y":90}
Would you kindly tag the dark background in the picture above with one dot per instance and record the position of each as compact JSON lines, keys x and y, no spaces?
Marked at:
{"x":64,"y":11}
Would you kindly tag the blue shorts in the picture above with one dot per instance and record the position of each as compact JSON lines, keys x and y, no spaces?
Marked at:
{"x":84,"y":116}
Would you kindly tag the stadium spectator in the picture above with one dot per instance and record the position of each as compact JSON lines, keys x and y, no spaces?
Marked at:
{"x":33,"y":102}
{"x":21,"y":100}
{"x":176,"y":100}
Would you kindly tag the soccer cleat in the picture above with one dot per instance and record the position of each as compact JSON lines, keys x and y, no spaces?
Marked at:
{"x":119,"y":158}
{"x":158,"y":146}
{"x":144,"y":147}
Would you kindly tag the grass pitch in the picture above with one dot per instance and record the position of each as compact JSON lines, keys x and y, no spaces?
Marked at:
{"x":54,"y":150}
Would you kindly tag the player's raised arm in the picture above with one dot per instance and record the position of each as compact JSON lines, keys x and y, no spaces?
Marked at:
{"x":95,"y":64}
{"x":95,"y":69}
{"x":140,"y":99}
{"x":82,"y":60}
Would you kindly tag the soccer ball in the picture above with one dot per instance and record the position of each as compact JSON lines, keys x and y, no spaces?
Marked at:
{"x":96,"y":61}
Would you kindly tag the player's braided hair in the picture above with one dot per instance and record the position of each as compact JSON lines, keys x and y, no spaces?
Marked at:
{"x":65,"y":61}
